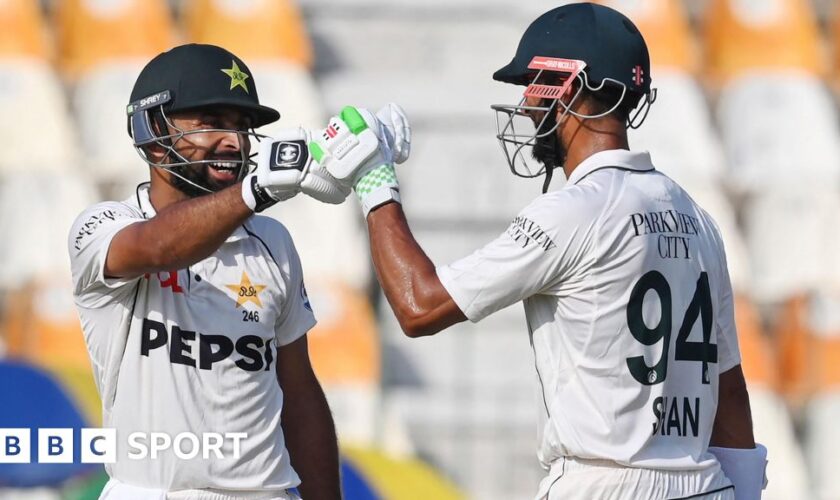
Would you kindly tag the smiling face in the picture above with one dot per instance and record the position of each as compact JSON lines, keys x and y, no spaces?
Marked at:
{"x":218,"y":156}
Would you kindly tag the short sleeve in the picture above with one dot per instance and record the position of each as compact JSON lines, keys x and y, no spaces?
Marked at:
{"x":729,"y":355}
{"x":535,"y":252}
{"x":88,"y":243}
{"x":296,"y":317}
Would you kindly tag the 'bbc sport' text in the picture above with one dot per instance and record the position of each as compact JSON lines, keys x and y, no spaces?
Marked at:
{"x":99,"y":445}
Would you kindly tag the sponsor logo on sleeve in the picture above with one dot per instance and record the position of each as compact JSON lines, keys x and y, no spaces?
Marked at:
{"x":93,"y":223}
{"x":527,"y":232}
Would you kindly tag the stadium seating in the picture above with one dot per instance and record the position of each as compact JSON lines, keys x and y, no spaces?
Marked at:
{"x":344,"y":349}
{"x":664,"y":25}
{"x":95,"y":32}
{"x":24,"y":31}
{"x":103,"y":45}
{"x":765,"y":163}
{"x":290,"y":89}
{"x":772,"y":423}
{"x":41,"y":325}
{"x":679,"y":131}
{"x":809,"y":346}
{"x":779,"y":128}
{"x":36,"y":128}
{"x":99,"y":103}
{"x":31,"y":97}
{"x":741,"y":36}
{"x":51,"y":204}
{"x":790,"y":250}
{"x":251,"y":29}
{"x":458,"y":178}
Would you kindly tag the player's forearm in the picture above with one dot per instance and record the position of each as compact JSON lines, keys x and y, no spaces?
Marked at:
{"x":733,"y":422}
{"x":312,"y":444}
{"x":178,"y":236}
{"x":408,"y":277}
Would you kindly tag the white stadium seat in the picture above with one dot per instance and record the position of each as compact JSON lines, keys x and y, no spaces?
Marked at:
{"x":36,"y":126}
{"x":50,"y":203}
{"x":789,"y":247}
{"x":679,"y":132}
{"x":290,"y":89}
{"x":461,"y":178}
{"x":100,"y":99}
{"x":773,"y":428}
{"x":822,"y":442}
{"x":780,"y":129}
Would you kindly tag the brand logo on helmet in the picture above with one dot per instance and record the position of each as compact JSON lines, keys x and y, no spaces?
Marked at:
{"x":237,"y":76}
{"x":638,"y":75}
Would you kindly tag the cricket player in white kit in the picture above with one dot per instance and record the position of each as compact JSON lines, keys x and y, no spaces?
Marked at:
{"x":623,"y":277}
{"x":194,"y":309}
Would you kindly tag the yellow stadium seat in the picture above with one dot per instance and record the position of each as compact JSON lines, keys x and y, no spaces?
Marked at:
{"x":251,"y":29}
{"x":343,"y":345}
{"x":809,"y":354}
{"x":24,"y":32}
{"x":757,"y":358}
{"x":41,"y":325}
{"x":344,"y":349}
{"x":91,"y":32}
{"x":664,"y":24}
{"x":746,"y":35}
{"x":772,"y":422}
{"x":835,"y":42}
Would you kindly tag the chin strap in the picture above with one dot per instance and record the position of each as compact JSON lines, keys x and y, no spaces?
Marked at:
{"x":549,"y":171}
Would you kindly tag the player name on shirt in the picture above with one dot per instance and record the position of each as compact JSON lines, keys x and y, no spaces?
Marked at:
{"x":670,"y":246}
{"x":676,"y":416}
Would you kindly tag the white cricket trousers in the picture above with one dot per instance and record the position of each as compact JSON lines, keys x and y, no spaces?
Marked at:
{"x":578,"y":479}
{"x":115,"y":490}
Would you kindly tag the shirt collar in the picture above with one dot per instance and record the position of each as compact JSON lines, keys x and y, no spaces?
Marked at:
{"x":148,"y":210}
{"x":612,"y":158}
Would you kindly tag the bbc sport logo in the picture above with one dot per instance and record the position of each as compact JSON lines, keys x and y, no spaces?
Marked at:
{"x":99,"y":445}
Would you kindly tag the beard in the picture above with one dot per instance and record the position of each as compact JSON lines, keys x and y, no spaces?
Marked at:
{"x":547,"y":148}
{"x":549,"y":151}
{"x":198,"y":175}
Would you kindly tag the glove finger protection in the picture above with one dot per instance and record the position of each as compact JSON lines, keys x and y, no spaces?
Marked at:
{"x":319,"y":184}
{"x":397,"y":131}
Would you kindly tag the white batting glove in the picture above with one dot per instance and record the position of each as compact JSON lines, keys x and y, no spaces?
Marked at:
{"x":395,"y":131}
{"x":359,"y":150}
{"x":285,"y":167}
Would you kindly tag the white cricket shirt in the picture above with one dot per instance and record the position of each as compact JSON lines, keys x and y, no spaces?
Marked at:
{"x":621,"y":275}
{"x":192,"y":350}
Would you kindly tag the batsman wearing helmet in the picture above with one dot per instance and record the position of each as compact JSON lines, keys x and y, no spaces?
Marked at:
{"x":194,"y":309}
{"x":622,"y":275}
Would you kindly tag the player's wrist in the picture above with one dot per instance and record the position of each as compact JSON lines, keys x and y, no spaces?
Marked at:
{"x":256,"y":197}
{"x":377,"y":187}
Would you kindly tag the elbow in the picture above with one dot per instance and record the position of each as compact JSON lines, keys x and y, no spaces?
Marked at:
{"x":416,"y":324}
{"x":413,"y":331}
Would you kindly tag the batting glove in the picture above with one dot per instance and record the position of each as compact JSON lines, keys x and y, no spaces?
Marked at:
{"x":285,"y":167}
{"x":359,"y":150}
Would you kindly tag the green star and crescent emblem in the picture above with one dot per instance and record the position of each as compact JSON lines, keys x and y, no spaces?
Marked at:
{"x":237,"y":76}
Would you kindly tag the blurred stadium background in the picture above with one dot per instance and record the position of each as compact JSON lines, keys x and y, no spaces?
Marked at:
{"x":747,"y":121}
